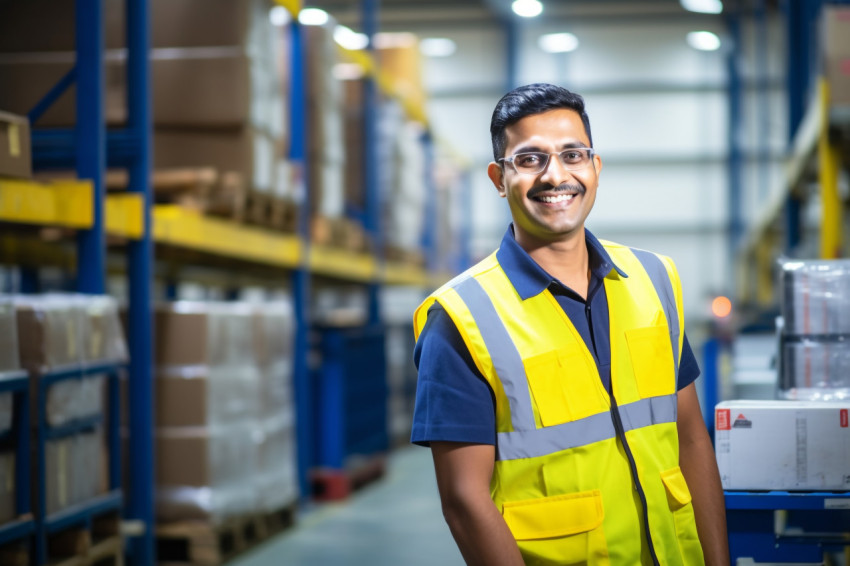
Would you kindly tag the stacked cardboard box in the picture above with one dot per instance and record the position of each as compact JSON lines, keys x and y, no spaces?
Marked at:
{"x":224,"y":413}
{"x":9,"y":364}
{"x":325,"y":96}
{"x":64,"y":331}
{"x":217,"y":70}
{"x":814,"y":354}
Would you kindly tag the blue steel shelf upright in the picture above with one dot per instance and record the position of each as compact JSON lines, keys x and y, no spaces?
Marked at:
{"x":89,"y":148}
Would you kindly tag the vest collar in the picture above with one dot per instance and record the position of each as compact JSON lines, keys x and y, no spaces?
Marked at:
{"x":529,"y":279}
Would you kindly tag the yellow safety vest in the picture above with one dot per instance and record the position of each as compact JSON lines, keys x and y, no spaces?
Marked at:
{"x":580,"y":474}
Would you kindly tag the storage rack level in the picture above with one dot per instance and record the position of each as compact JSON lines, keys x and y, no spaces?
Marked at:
{"x":810,"y":526}
{"x":17,"y":383}
{"x":81,"y":514}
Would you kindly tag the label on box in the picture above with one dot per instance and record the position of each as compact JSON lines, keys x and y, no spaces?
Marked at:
{"x":724,"y":417}
{"x":14,"y":140}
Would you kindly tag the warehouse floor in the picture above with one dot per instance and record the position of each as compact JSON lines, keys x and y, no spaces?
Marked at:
{"x":394,"y":521}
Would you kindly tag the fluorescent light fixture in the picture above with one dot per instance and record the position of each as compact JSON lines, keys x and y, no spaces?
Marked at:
{"x":348,"y":71}
{"x":312,"y":17}
{"x":437,"y":47}
{"x":702,"y":6}
{"x":350,"y":39}
{"x":527,"y":8}
{"x":703,"y":40}
{"x":557,"y":42}
{"x":279,"y":16}
{"x":387,"y":40}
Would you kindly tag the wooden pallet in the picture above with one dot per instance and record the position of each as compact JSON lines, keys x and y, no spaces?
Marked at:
{"x":271,"y":212}
{"x":401,"y":255}
{"x":338,"y":232}
{"x":189,"y":188}
{"x":102,"y":545}
{"x":202,"y":543}
{"x":330,"y":484}
{"x":15,"y":553}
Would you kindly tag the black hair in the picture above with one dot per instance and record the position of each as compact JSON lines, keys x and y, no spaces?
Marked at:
{"x":532,"y":99}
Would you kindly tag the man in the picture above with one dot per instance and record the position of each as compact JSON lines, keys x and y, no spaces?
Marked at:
{"x":551,"y":375}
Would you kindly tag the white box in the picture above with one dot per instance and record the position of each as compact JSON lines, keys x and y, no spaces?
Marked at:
{"x":783,"y":445}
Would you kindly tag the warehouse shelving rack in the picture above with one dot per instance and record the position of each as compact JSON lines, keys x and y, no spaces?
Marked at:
{"x":82,"y":205}
{"x":809,"y":524}
{"x":81,"y":514}
{"x":22,"y":528}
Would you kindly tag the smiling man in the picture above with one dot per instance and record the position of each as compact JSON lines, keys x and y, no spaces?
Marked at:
{"x":555,"y":378}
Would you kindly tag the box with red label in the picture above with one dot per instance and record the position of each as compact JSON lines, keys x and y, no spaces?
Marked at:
{"x":783,"y":445}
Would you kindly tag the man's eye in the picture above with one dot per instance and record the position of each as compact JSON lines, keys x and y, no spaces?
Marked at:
{"x":526,"y":159}
{"x":570,"y":156}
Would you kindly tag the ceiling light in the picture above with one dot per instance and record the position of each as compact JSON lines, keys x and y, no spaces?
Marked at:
{"x":557,"y":42}
{"x":350,"y":39}
{"x":703,"y":40}
{"x":387,"y":40}
{"x":437,"y":47}
{"x":702,"y":6}
{"x":527,"y":8}
{"x":312,"y":17}
{"x":279,"y":16}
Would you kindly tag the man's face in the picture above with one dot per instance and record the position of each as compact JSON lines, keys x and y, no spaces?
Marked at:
{"x":552,"y":205}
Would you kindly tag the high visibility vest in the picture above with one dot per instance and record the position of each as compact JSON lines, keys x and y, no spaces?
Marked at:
{"x":581,"y":476}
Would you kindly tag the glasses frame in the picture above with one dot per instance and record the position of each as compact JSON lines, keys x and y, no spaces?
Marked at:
{"x":590,"y":154}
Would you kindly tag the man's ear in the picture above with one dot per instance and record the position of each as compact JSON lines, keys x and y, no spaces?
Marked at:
{"x":497,"y":176}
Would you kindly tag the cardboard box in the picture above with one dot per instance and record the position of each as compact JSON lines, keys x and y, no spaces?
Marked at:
{"x":208,"y":87}
{"x":247,"y":151}
{"x":181,"y":335}
{"x":8,"y":508}
{"x":24,"y":26}
{"x":182,"y":401}
{"x":15,"y":146}
{"x":783,"y":445}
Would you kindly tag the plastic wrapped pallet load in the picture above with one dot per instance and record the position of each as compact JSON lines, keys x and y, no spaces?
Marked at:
{"x":9,"y":364}
{"x":815,"y":329}
{"x":208,"y":405}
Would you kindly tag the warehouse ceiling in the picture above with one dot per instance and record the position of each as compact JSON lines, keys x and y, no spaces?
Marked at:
{"x":413,"y":14}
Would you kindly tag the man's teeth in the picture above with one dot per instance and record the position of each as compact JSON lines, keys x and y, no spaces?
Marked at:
{"x":559,"y":198}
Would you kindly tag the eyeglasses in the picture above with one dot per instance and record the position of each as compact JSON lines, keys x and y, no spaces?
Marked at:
{"x":535,"y":162}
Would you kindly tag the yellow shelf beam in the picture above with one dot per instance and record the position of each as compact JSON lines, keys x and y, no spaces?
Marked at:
{"x":344,"y":264}
{"x":293,"y":6}
{"x":185,"y":228}
{"x":61,"y":203}
{"x":125,"y":215}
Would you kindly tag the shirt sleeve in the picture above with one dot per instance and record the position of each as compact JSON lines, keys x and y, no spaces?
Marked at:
{"x":453,"y":400}
{"x":688,"y":367}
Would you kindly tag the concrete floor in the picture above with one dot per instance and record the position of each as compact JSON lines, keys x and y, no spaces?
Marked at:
{"x":395,"y":521}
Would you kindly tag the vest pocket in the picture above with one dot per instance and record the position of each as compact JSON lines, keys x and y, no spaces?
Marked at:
{"x":679,"y":502}
{"x":652,"y":360}
{"x":563,"y":529}
{"x":563,"y":386}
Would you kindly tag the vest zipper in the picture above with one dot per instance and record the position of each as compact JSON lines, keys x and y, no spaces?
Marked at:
{"x":621,"y":432}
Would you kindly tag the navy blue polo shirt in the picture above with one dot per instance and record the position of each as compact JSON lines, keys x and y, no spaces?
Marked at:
{"x":453,"y":400}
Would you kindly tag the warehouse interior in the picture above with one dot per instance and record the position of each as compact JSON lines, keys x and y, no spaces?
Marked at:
{"x":218,"y":217}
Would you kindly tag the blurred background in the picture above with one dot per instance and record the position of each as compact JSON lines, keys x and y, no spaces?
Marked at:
{"x":217,"y":218}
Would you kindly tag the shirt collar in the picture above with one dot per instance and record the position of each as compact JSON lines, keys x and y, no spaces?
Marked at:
{"x":529,"y":279}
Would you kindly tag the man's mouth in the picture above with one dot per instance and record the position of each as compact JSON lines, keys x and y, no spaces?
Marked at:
{"x":562,"y":193}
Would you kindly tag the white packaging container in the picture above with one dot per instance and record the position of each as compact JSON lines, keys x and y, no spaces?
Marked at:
{"x":783,"y":445}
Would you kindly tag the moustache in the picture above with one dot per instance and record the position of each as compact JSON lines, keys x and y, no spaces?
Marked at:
{"x":563,"y":187}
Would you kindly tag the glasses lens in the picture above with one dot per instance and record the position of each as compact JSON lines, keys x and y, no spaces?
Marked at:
{"x":531,"y":162}
{"x":575,"y":158}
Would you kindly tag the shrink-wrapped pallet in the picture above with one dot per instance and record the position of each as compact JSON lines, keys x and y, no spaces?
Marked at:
{"x":815,"y":330}
{"x":9,"y":360}
{"x":74,"y":470}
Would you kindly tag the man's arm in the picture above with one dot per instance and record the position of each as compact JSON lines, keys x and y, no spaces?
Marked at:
{"x":699,"y":466}
{"x":463,"y":478}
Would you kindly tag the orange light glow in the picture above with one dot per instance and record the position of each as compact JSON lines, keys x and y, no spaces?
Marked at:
{"x":721,"y":307}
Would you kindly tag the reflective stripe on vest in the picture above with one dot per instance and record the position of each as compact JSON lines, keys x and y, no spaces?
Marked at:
{"x":526,"y":440}
{"x":654,"y":267}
